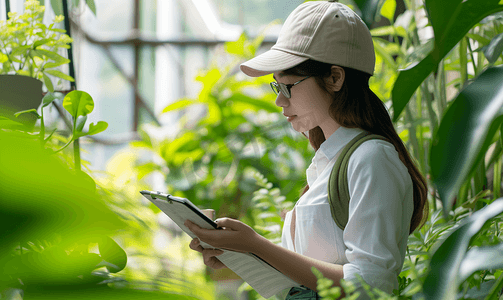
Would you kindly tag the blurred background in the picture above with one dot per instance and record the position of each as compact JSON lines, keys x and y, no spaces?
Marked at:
{"x":182,"y":119}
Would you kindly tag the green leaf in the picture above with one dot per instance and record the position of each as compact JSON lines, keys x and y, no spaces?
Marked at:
{"x":20,"y":51}
{"x":388,"y":10}
{"x":496,"y":289}
{"x":23,"y":72}
{"x":48,"y":98}
{"x":40,"y":43}
{"x":384,"y":54}
{"x":485,"y":258}
{"x":28,"y":111}
{"x":465,"y":133}
{"x":92,"y":6}
{"x":477,"y":37}
{"x":60,"y":74}
{"x":214,"y":114}
{"x":451,"y":20}
{"x":81,"y":121}
{"x":388,"y":30}
{"x":50,"y":65}
{"x":48,"y":83}
{"x":3,"y":58}
{"x":179,"y":105}
{"x":9,"y":124}
{"x":237,"y":47}
{"x":53,"y":55}
{"x":58,"y":30}
{"x":256,"y":104}
{"x":494,"y":49}
{"x":75,"y":3}
{"x":99,"y":127}
{"x":368,"y":10}
{"x":78,"y":103}
{"x":442,"y":281}
{"x":57,"y":7}
{"x":111,"y":252}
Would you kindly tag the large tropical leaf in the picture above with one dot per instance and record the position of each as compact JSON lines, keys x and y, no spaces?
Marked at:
{"x":450,"y":24}
{"x":481,"y":258}
{"x":465,"y":133}
{"x":443,"y":280}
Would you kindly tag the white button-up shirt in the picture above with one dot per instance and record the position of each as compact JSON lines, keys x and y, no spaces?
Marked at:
{"x":374,"y":241}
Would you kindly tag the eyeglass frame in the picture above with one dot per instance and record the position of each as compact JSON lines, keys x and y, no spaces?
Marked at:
{"x":277,"y":87}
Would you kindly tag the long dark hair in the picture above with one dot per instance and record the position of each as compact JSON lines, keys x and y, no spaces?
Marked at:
{"x":356,"y":106}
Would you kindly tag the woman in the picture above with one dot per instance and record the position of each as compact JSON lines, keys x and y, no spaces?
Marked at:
{"x":322,"y":62}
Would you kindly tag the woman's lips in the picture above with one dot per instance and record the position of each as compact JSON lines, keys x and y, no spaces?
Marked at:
{"x":290,"y":118}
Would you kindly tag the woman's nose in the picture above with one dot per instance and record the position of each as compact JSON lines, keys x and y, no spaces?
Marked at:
{"x":281,"y":100}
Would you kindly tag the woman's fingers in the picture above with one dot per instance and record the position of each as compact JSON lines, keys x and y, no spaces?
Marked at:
{"x":208,"y":254}
{"x":195,"y":245}
{"x":210,"y":260}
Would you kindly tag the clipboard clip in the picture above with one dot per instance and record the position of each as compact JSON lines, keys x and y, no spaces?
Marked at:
{"x":159,"y":195}
{"x":152,"y":195}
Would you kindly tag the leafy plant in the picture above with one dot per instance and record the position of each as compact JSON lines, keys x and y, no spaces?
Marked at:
{"x":238,"y":133}
{"x":79,"y":104}
{"x":28,"y":47}
{"x":48,"y":229}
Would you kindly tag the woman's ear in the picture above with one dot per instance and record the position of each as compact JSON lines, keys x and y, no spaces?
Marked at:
{"x":336,"y":79}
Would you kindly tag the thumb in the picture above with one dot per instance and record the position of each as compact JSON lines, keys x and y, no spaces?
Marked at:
{"x":228,"y":223}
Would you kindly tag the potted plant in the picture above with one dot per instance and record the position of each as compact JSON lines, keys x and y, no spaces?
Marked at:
{"x":28,"y":55}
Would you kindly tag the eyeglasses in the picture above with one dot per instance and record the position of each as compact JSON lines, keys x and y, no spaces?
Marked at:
{"x":284,"y":88}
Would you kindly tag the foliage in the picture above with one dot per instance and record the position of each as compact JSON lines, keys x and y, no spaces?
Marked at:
{"x":454,"y":256}
{"x":268,"y":206}
{"x":227,"y":134}
{"x":29,"y":47}
{"x":57,"y":5}
{"x":234,"y":154}
{"x":56,"y":236}
{"x":56,"y":215}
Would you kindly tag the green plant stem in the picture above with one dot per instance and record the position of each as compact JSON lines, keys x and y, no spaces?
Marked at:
{"x":409,"y":120}
{"x":42,"y":126}
{"x":431,"y":113}
{"x":76,"y":154}
{"x":480,"y":182}
{"x":473,"y":58}
{"x":442,"y":97}
{"x":8,"y":57}
{"x":66,"y":145}
{"x":497,"y":178}
{"x":463,"y":63}
{"x":419,"y":109}
{"x":463,"y":193}
{"x":495,"y":290}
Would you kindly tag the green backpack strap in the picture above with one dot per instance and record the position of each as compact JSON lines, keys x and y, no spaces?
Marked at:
{"x":338,"y":189}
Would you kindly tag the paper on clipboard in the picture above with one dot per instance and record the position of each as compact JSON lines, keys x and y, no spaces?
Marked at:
{"x":262,"y":277}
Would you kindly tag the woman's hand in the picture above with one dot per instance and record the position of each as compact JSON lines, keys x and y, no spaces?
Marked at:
{"x":208,"y":255}
{"x":236,"y":235}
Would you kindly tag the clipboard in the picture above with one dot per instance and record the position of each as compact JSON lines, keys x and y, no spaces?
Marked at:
{"x":179,"y":210}
{"x":259,"y":274}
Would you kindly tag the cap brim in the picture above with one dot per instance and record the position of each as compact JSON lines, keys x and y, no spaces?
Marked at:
{"x":270,"y":62}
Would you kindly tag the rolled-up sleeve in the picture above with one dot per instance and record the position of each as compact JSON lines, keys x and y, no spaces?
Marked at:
{"x":379,"y":215}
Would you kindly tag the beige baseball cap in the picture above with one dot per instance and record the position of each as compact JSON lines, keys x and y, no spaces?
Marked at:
{"x":326,"y":31}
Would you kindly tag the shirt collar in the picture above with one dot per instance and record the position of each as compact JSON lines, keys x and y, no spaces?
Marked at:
{"x":327,"y":151}
{"x":337,"y":141}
